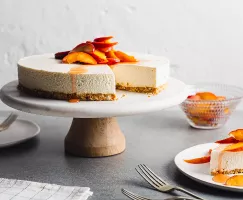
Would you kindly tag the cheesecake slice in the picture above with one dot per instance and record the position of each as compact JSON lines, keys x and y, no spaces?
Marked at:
{"x":46,"y":77}
{"x":226,"y":162}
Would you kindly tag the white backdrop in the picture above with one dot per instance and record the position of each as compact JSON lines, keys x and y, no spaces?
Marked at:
{"x":203,"y":39}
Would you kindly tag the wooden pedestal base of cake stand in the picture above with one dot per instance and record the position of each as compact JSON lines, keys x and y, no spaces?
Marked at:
{"x":95,"y":137}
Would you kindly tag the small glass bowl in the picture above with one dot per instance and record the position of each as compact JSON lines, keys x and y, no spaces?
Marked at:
{"x":211,"y":114}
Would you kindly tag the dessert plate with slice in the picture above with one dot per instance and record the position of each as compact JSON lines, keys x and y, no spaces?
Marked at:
{"x":94,"y":83}
{"x":218,"y":164}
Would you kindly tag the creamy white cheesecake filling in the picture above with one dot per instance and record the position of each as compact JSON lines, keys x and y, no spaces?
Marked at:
{"x":225,"y":160}
{"x":47,"y":74}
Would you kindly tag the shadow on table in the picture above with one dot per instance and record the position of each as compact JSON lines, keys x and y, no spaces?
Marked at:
{"x":188,"y":183}
{"x":21,"y":148}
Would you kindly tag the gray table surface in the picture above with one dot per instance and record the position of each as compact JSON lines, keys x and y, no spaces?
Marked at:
{"x":153,"y":139}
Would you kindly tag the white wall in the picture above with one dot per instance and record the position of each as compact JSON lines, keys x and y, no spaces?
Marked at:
{"x":203,"y":39}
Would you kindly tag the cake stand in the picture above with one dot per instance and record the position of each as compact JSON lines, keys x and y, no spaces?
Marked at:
{"x":94,"y":131}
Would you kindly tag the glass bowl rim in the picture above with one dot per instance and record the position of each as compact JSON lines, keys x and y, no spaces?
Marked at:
{"x":197,"y":85}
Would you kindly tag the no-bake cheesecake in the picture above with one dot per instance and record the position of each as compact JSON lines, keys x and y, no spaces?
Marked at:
{"x":92,"y":71}
{"x":226,"y":162}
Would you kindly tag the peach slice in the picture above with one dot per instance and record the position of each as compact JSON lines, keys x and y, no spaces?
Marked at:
{"x":236,"y":180}
{"x":84,"y":47}
{"x":105,"y":49}
{"x":79,"y":57}
{"x":226,"y":111}
{"x":207,"y":96}
{"x":201,"y":160}
{"x":124,"y":57}
{"x":111,"y":54}
{"x":235,"y":147}
{"x":220,"y":178}
{"x":228,"y":140}
{"x":199,"y":109}
{"x":112,"y":61}
{"x":237,"y":134}
{"x":61,"y":55}
{"x":103,"y":39}
{"x":99,"y":45}
{"x":194,"y":97}
{"x":99,"y":57}
{"x":221,"y":98}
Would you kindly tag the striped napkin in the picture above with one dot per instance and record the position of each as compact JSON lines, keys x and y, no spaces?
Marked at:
{"x":27,"y":190}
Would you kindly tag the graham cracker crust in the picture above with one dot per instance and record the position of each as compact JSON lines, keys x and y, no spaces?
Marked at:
{"x":235,"y":171}
{"x":63,"y":96}
{"x":148,"y":90}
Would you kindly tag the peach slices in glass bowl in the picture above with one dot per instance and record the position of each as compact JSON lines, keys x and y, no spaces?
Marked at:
{"x":209,"y":106}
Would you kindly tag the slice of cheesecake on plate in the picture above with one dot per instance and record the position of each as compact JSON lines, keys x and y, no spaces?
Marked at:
{"x":226,"y":162}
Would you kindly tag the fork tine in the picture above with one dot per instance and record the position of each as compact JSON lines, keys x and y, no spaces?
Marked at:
{"x":155,"y":175}
{"x":6,"y":119}
{"x":147,"y":178}
{"x":10,"y":119}
{"x":132,"y":195}
{"x":152,"y":175}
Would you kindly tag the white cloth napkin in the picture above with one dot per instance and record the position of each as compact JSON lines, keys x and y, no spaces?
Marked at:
{"x":27,"y":190}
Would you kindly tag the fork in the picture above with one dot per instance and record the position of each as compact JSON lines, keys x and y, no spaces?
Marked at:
{"x":158,"y":183}
{"x":8,"y":121}
{"x":138,"y":197}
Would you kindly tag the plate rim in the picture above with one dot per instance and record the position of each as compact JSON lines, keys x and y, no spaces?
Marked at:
{"x":25,"y":139}
{"x":209,"y":184}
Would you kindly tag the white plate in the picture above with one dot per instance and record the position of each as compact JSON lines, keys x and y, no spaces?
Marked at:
{"x":20,"y":131}
{"x":200,"y":172}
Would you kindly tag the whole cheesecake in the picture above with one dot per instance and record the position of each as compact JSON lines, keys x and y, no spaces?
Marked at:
{"x":92,"y":71}
{"x":44,"y":76}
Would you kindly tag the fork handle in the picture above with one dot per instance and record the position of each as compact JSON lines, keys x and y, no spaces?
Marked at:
{"x":189,"y":193}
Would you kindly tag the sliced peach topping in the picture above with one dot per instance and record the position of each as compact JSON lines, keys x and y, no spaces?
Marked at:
{"x":227,"y":141}
{"x":207,"y":96}
{"x":235,"y":147}
{"x":84,"y":47}
{"x":124,"y":57}
{"x":111,"y":54}
{"x":103,"y":44}
{"x":99,"y":57}
{"x":79,"y":57}
{"x":103,"y":39}
{"x":105,"y":49}
{"x":61,"y":55}
{"x":100,"y":49}
{"x":237,"y":134}
{"x":201,"y":160}
{"x":112,"y":61}
{"x":236,"y":180}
